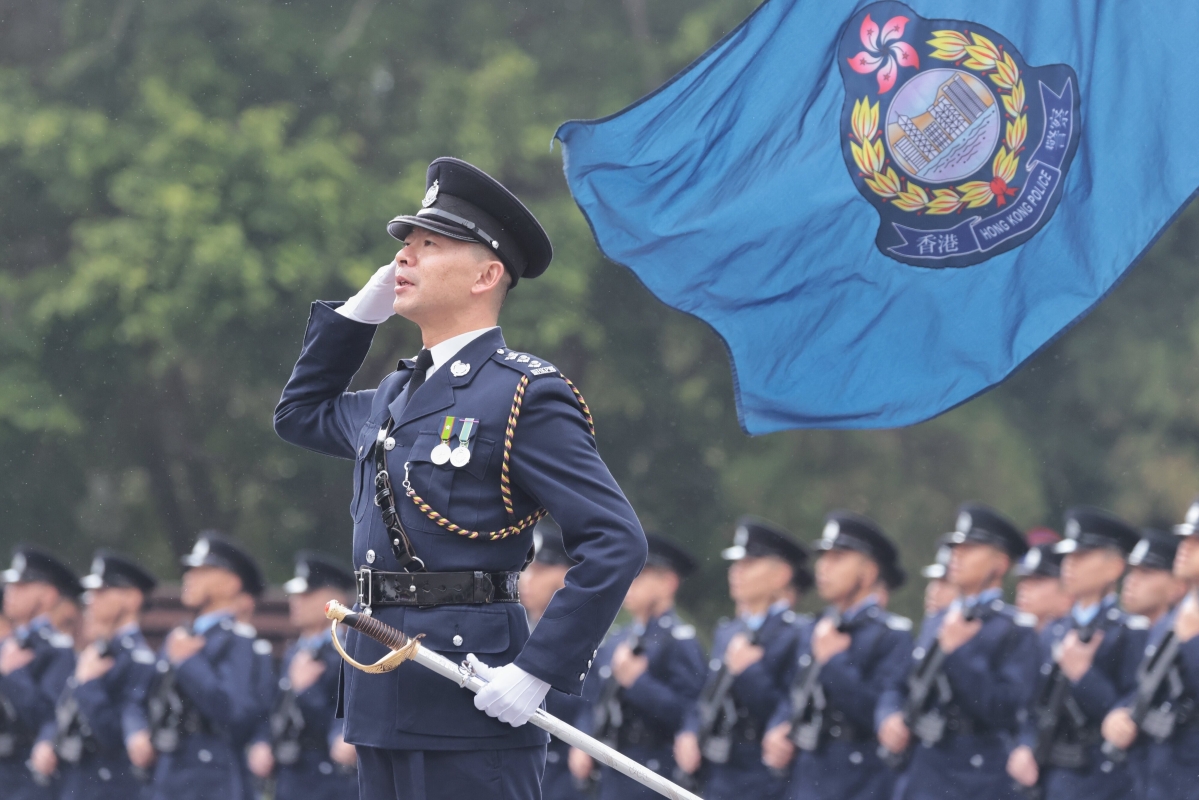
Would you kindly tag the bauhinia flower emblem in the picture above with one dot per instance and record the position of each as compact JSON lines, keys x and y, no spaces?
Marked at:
{"x":884,"y":52}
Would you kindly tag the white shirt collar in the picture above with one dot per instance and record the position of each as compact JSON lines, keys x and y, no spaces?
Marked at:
{"x":446,"y":350}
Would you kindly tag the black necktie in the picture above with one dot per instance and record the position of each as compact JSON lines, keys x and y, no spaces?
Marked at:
{"x":424,"y":360}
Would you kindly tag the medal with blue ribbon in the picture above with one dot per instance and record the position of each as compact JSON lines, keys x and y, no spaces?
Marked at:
{"x":461,"y":455}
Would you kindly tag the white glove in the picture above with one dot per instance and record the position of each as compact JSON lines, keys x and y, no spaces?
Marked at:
{"x":373,"y":303}
{"x":511,"y":694}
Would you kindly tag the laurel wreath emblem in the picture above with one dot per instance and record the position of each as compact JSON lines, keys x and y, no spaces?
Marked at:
{"x":981,"y":55}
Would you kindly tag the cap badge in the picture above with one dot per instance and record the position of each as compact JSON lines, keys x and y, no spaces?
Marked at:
{"x":1033,"y":559}
{"x":965,"y":522}
{"x":201,"y":548}
{"x":459,"y":368}
{"x":1193,"y":514}
{"x":741,"y":537}
{"x":1073,"y":529}
{"x":431,"y":195}
{"x":18,"y":563}
{"x":1139,"y":552}
{"x":98,"y":567}
{"x":831,"y":529}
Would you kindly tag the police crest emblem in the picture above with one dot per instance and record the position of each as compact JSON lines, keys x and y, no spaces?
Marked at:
{"x":957,"y":142}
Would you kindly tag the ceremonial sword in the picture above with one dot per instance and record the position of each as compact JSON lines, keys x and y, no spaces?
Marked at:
{"x":405,"y":648}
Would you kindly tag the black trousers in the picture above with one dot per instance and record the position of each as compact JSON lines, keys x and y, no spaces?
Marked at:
{"x":451,"y":774}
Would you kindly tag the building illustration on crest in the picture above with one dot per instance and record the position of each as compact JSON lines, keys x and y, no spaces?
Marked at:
{"x":917,"y":141}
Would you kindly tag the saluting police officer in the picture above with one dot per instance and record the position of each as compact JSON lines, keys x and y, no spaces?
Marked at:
{"x":1040,"y":591}
{"x":1088,"y":662}
{"x":102,"y":708}
{"x":203,"y":706}
{"x":35,"y":663}
{"x":651,"y":672}
{"x":1158,"y":721}
{"x":1150,"y":590}
{"x":970,"y":673}
{"x":844,"y":663}
{"x":747,"y":673}
{"x":304,"y":747}
{"x":544,"y":576}
{"x":456,"y":455}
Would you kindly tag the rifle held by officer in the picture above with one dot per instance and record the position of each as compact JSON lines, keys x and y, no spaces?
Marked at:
{"x":717,"y":715}
{"x":403,"y":648}
{"x":1156,"y":722}
{"x":806,"y":727}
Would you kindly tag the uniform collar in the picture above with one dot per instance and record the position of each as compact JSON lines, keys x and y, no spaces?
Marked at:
{"x":446,"y":350}
{"x":34,"y":625}
{"x":315,"y":641}
{"x":1084,"y":616}
{"x":981,"y":599}
{"x":206,"y":622}
{"x":132,"y":629}
{"x":861,"y":608}
{"x":755,"y":621}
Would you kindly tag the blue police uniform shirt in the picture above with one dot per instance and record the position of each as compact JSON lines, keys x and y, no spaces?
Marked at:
{"x":653,"y":707}
{"x":756,"y":694}
{"x":1166,"y":768}
{"x":1111,"y":677}
{"x":219,"y":681}
{"x":31,"y":693}
{"x":845,"y":764}
{"x":554,"y":464}
{"x":989,"y":681}
{"x":112,"y":708}
{"x":314,"y":776}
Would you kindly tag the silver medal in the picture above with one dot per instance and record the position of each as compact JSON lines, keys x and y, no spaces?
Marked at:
{"x":440,"y":454}
{"x":460,"y":457}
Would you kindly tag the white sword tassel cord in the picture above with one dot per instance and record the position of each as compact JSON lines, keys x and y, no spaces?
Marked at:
{"x":405,"y":648}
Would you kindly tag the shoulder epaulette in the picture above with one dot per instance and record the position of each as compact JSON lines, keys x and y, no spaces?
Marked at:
{"x":1137,"y":622}
{"x":790,"y":617}
{"x":523,"y":362}
{"x":897,"y":623}
{"x":143,"y":655}
{"x":245,"y":630}
{"x":1026,"y":620}
{"x":263,"y":648}
{"x":683,"y":632}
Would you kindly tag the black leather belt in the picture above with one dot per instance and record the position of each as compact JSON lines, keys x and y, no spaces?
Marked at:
{"x":436,"y":588}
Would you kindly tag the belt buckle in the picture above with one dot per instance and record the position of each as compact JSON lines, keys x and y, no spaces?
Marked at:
{"x":364,"y":577}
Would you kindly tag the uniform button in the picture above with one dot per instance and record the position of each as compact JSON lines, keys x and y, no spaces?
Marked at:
{"x":204,"y":756}
{"x":855,"y":757}
{"x":370,"y":556}
{"x":457,"y":640}
{"x":359,"y":449}
{"x":500,"y":351}
{"x":976,"y":760}
{"x":714,"y":664}
{"x":653,"y":764}
{"x":389,"y":443}
{"x":1106,"y":766}
{"x":325,"y":768}
{"x":105,"y":774}
{"x":589,"y":663}
{"x":552,"y":757}
{"x":582,"y":676}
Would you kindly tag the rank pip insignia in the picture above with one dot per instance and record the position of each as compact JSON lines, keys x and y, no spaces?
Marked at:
{"x":957,"y":142}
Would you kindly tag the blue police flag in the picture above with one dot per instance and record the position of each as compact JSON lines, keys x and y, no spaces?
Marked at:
{"x":884,"y":209}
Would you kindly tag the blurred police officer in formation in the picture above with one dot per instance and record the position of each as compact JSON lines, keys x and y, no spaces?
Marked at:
{"x":650,"y":673}
{"x":969,"y":674}
{"x":100,"y":717}
{"x":263,"y":681}
{"x":302,"y":746}
{"x":1039,"y":590}
{"x":1150,"y":588}
{"x":204,"y":706}
{"x":746,"y":676}
{"x":35,"y":663}
{"x":457,"y":495}
{"x":1156,"y":723}
{"x":840,"y":669}
{"x":1088,"y":662}
{"x":938,"y":591}
{"x":544,"y":576}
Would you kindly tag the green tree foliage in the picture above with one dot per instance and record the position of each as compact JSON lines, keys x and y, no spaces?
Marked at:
{"x":182,"y":179}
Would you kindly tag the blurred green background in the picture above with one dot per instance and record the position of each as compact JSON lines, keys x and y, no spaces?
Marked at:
{"x":182,"y":178}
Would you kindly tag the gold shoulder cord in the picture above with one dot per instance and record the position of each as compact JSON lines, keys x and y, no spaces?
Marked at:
{"x":505,"y":481}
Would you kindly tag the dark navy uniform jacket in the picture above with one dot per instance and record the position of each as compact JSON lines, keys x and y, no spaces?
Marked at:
{"x":990,"y":680}
{"x":112,"y":706}
{"x":1111,"y":677}
{"x":845,"y":765}
{"x":220,"y":681}
{"x":653,"y":708}
{"x":1169,"y":769}
{"x":315,"y":776}
{"x":554,"y":464}
{"x":756,"y":693}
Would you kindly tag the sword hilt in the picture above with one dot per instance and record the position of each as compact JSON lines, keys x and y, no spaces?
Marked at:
{"x":402,"y":646}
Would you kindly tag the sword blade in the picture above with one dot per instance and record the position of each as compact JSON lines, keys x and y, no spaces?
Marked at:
{"x":465,"y":677}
